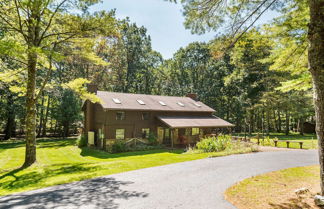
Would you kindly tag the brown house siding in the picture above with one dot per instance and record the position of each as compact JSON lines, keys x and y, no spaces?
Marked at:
{"x":133,"y":123}
{"x":97,"y":118}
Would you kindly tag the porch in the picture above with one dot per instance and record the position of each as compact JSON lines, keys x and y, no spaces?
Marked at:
{"x":185,"y":130}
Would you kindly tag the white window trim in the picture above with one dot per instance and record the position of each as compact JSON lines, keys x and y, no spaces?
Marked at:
{"x":116,"y":133}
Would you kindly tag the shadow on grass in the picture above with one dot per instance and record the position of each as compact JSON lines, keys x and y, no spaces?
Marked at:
{"x":25,"y":178}
{"x":293,"y":203}
{"x":95,"y":193}
{"x":41,"y":143}
{"x":55,"y":143}
{"x":11,"y":145}
{"x":105,"y":155}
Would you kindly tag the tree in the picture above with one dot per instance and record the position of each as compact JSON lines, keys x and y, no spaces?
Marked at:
{"x":202,"y":15}
{"x":67,"y":112}
{"x":141,"y":60}
{"x":316,"y":67}
{"x":39,"y":28}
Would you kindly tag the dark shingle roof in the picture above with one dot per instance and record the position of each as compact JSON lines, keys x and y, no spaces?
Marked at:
{"x":194,"y":121}
{"x":152,"y":102}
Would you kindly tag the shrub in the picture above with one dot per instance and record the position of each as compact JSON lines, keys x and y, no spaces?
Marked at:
{"x":152,"y":139}
{"x":214,"y":144}
{"x":267,"y":141}
{"x":82,"y":141}
{"x":144,"y":147}
{"x":119,"y":146}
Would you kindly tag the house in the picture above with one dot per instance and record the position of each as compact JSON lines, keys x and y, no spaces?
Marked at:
{"x":172,"y":120}
{"x":308,"y":128}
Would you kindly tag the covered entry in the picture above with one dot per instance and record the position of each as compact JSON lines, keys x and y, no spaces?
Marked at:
{"x":188,"y":129}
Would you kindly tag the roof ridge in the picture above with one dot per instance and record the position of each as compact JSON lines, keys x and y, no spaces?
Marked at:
{"x":154,"y":95}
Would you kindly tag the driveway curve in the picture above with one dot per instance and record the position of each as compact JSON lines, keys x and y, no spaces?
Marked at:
{"x":197,"y":184}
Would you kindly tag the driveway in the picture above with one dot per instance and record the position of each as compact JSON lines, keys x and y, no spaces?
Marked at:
{"x":195,"y":184}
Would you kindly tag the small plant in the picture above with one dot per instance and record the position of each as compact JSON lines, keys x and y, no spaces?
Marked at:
{"x":119,"y":146}
{"x":267,"y":141}
{"x":152,"y":139}
{"x":82,"y":141}
{"x":215,"y":144}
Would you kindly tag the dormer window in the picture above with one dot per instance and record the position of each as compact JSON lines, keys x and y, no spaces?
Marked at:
{"x":140,"y":102}
{"x":162,"y":103}
{"x":198,"y":105}
{"x":181,"y":104}
{"x":117,"y":101}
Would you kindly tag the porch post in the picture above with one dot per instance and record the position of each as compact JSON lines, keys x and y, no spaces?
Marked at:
{"x":172,"y":133}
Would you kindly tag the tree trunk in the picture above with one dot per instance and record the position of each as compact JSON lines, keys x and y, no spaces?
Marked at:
{"x":287,"y":122}
{"x":66,"y":129}
{"x":251,"y":127}
{"x":33,"y":41}
{"x":279,"y":121}
{"x":10,"y":125}
{"x":274,"y":121}
{"x":262,"y":123}
{"x":46,"y":116}
{"x":41,"y":117}
{"x":55,"y":129}
{"x":30,"y":156}
{"x":268,"y":121}
{"x":316,"y":67}
{"x":301,"y":126}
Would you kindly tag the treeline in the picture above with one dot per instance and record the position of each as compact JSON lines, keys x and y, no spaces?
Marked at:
{"x":255,"y":85}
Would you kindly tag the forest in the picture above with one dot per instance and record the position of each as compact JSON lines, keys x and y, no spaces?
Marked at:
{"x":261,"y":84}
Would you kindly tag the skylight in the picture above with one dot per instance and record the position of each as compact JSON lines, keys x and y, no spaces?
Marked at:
{"x":181,"y":104}
{"x":140,"y":102}
{"x":198,"y":105}
{"x":162,"y":103}
{"x":117,"y":101}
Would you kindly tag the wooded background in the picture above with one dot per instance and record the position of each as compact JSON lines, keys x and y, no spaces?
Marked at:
{"x":262,"y":84}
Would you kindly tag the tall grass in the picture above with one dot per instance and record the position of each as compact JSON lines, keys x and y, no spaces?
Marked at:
{"x":223,"y":143}
{"x":214,"y":144}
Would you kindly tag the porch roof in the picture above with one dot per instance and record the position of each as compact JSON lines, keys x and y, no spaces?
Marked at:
{"x":194,"y":121}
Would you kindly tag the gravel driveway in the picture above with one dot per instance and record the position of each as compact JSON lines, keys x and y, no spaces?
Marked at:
{"x":195,"y":184}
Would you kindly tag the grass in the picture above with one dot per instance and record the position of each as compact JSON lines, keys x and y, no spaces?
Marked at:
{"x":276,"y":189}
{"x":310,"y":141}
{"x":59,"y":161}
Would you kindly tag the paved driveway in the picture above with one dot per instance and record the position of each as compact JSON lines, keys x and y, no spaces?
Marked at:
{"x":195,"y":184}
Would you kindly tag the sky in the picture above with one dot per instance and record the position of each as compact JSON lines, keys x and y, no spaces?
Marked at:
{"x":163,"y":20}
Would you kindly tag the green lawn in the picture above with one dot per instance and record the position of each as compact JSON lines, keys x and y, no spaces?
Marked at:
{"x":310,"y":141}
{"x":60,"y":161}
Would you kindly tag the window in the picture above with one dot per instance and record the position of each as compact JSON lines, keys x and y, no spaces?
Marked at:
{"x":194,"y":131}
{"x":117,"y":101}
{"x":181,"y":104}
{"x":140,"y":102}
{"x":198,"y":105}
{"x":101,"y":134}
{"x":162,"y":103}
{"x":120,"y":133}
{"x":120,"y":116}
{"x":187,"y":133}
{"x":145,"y":133}
{"x":145,"y":116}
